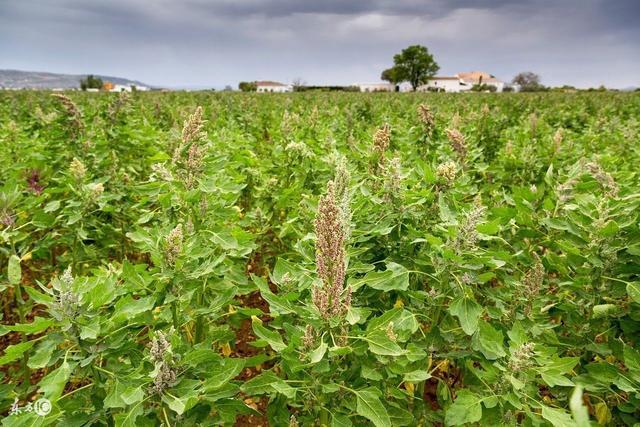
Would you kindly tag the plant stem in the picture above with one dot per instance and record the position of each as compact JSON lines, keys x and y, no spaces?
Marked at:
{"x":25,"y":356}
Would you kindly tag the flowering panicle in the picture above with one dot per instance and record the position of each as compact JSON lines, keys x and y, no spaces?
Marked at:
{"x":7,"y":218}
{"x":95,"y":190}
{"x":342,"y":180}
{"x":67,"y":302}
{"x":193,"y":129}
{"x":289,"y":121}
{"x":173,"y":244}
{"x":73,"y":114}
{"x":381,"y":139}
{"x":604,"y":179}
{"x":160,"y":172}
{"x":447,"y":172}
{"x":456,"y":121}
{"x":427,"y":118}
{"x":77,"y":169}
{"x":533,"y":278}
{"x":118,"y":105}
{"x":467,"y":234}
{"x":330,"y":257}
{"x":557,"y":140}
{"x":299,"y":148}
{"x":161,"y":355}
{"x":533,"y":123}
{"x":309,"y":337}
{"x":521,"y":358}
{"x":393,"y":180}
{"x":456,"y":138}
{"x":192,"y":135}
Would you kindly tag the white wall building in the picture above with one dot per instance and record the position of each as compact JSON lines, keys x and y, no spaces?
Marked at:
{"x":478,"y":77}
{"x":127,"y":88}
{"x":383,"y":87}
{"x":267,"y":86}
{"x":461,"y":82}
{"x":445,"y":84}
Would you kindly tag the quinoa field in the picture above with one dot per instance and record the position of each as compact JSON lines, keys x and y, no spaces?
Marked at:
{"x":319,"y":259}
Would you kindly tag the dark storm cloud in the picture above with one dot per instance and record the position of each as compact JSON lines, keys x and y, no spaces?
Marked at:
{"x":201,"y":42}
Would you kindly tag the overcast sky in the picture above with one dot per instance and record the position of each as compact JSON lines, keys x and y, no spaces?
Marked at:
{"x":218,"y":42}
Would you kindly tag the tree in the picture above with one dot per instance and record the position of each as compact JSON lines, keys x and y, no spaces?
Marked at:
{"x":91,"y":82}
{"x":390,"y":75}
{"x":298,"y":84}
{"x":528,"y":81}
{"x":414,"y":65}
{"x":248,"y":86}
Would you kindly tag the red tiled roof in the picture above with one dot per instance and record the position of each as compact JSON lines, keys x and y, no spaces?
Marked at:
{"x":476,"y":76}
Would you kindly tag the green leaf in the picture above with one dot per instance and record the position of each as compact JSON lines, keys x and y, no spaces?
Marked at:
{"x":15,"y":351}
{"x":369,"y":406}
{"x":223,"y":374}
{"x":339,"y":420}
{"x":53,"y":384}
{"x":14,"y":270}
{"x":395,"y":277}
{"x":42,"y":355}
{"x":127,"y":308}
{"x":465,"y":409}
{"x":380,"y":343}
{"x":316,"y":355}
{"x":604,"y":310}
{"x":133,"y":395}
{"x":489,"y":341}
{"x":417,"y":376}
{"x":468,"y":313}
{"x":632,"y":361}
{"x":557,"y":417}
{"x":272,"y":337}
{"x":128,"y":419}
{"x":633,"y":289}
{"x":38,"y":325}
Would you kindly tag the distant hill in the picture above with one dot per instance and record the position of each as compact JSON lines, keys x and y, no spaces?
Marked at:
{"x":15,"y":79}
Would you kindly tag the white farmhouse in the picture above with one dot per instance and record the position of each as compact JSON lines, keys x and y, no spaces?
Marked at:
{"x":444,"y":84}
{"x":478,"y":78}
{"x":383,"y":87}
{"x":127,"y":88}
{"x":268,"y":86}
{"x":461,"y":82}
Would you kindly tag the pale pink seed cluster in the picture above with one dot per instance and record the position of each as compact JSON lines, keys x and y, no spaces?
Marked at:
{"x":381,"y":139}
{"x":330,"y":257}
{"x":427,"y":118}
{"x":456,"y":138}
{"x":162,"y":358}
{"x":74,"y":115}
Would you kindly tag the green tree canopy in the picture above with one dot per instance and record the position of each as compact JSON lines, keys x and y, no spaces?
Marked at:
{"x":91,"y":82}
{"x":248,"y":86}
{"x":528,"y":82}
{"x":414,"y":65}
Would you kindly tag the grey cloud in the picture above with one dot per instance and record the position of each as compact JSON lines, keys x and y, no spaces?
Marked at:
{"x":198,"y":42}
